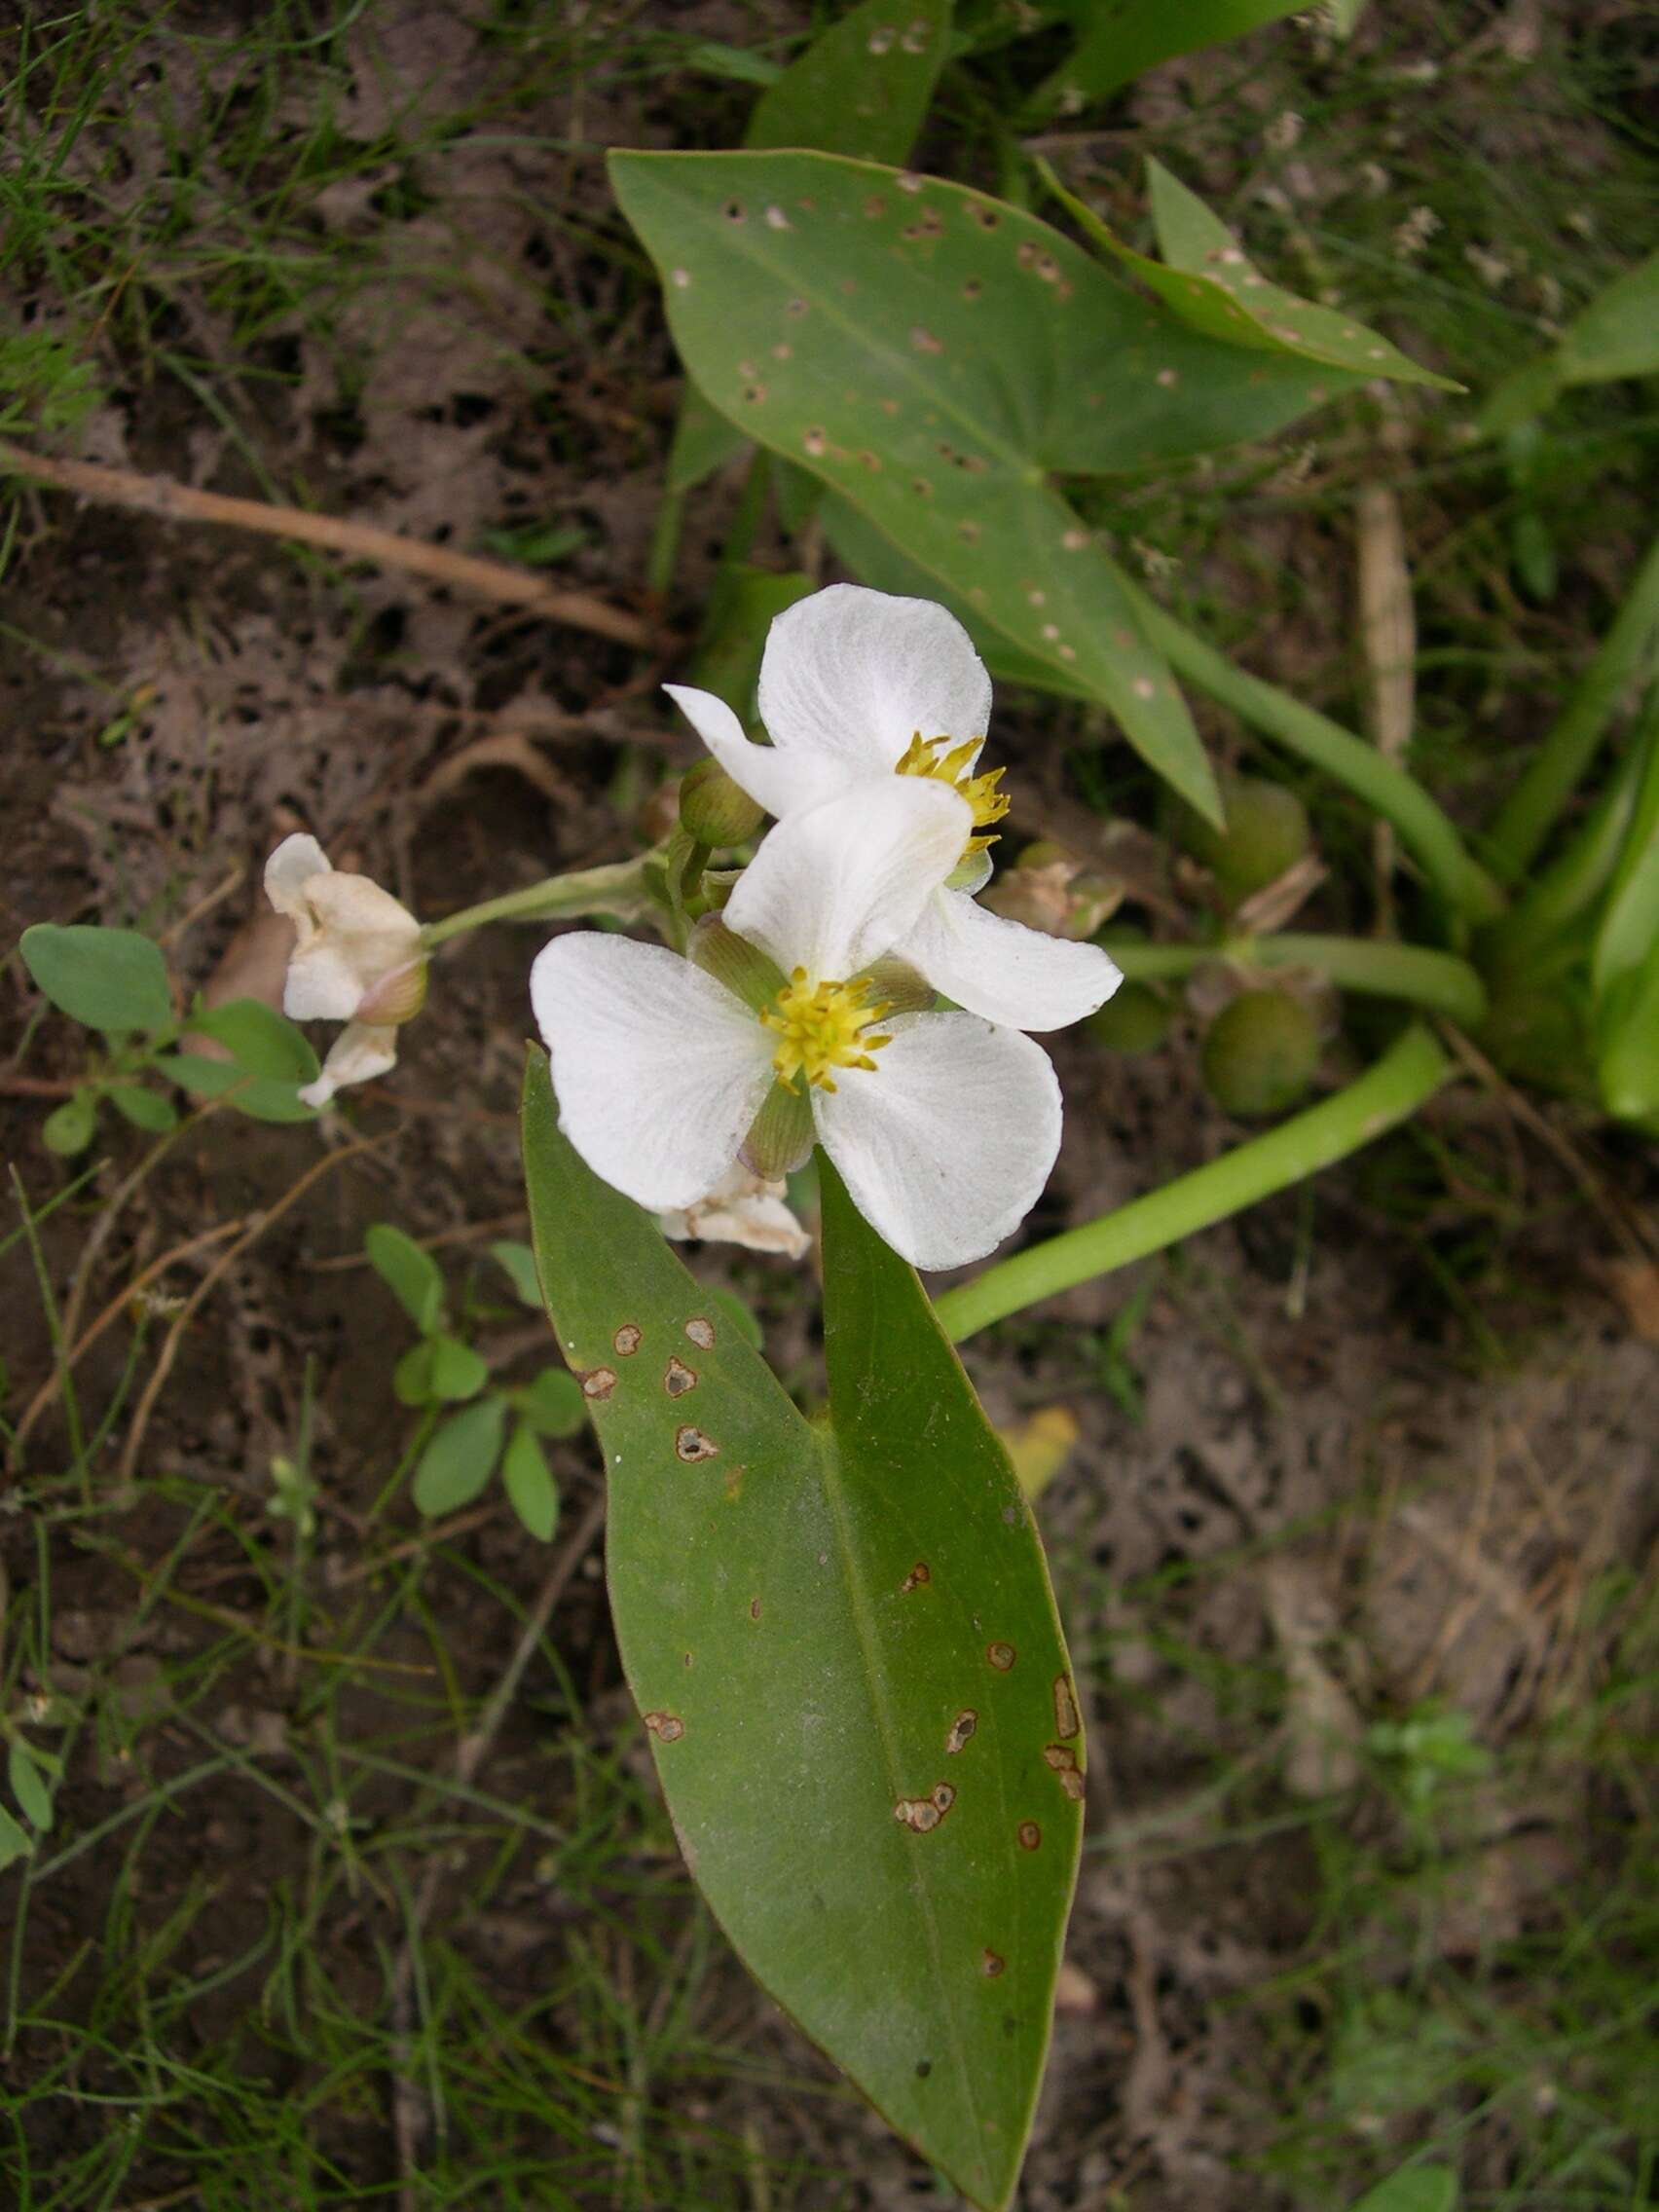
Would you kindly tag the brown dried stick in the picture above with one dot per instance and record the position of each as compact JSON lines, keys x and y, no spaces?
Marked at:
{"x":354,"y":540}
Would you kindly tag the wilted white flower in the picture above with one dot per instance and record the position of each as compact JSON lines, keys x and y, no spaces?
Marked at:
{"x":743,"y":1208}
{"x":357,"y":958}
{"x":863,"y":691}
{"x":789,"y":1025}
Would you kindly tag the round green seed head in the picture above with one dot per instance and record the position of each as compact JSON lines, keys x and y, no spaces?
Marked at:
{"x":1260,"y":1054}
{"x":716,"y":810}
{"x":1267,"y":833}
{"x":1135,"y":1018}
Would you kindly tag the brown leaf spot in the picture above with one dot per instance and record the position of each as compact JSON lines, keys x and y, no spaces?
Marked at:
{"x":754,"y":1609}
{"x":691,"y":1444}
{"x":961,"y":1729}
{"x":678,"y":1379}
{"x":1025,"y":253}
{"x":1001,"y":1656}
{"x":666,"y":1727}
{"x":1064,"y":1760}
{"x":599,"y":1383}
{"x":990,"y":1964}
{"x":943,"y":1796}
{"x":754,"y":393}
{"x":814,"y":442}
{"x":701,"y":1332}
{"x":876,"y":207}
{"x":924,"y":340}
{"x":628,"y":1339}
{"x":1030,"y":1835}
{"x":972,"y":288}
{"x":921,"y":1572}
{"x":918,"y":1813}
{"x":908,"y":181}
{"x":735,"y":211}
{"x":987,"y":218}
{"x":794,"y":306}
{"x":1065,"y":1708}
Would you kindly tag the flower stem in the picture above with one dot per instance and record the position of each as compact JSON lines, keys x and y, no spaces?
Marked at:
{"x":1425,"y":831}
{"x":618,"y":888}
{"x":1438,"y":980}
{"x":1531,"y":811}
{"x":1410,"y":1071}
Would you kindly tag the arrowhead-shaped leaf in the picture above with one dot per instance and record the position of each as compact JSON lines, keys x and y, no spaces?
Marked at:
{"x":843,"y":1642}
{"x":932,"y":354}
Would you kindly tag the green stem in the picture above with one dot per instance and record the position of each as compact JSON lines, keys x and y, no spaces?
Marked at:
{"x":1556,"y":769}
{"x":620,"y":887}
{"x":1426,"y":832}
{"x":1572,"y":883}
{"x":1412,"y":1070}
{"x":1437,"y":980}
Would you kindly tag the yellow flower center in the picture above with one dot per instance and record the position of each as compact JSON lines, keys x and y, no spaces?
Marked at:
{"x":822,"y":1026}
{"x":949,"y":763}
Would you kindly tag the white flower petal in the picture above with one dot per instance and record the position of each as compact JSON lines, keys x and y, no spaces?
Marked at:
{"x":658,"y":1069}
{"x":947,"y":1145}
{"x":780,"y":781}
{"x":856,"y":674}
{"x":291,"y":868}
{"x":323,"y":983}
{"x":361,"y":1052}
{"x":1010,"y":974}
{"x":832,"y":889}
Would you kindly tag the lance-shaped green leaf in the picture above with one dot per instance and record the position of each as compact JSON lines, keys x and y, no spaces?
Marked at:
{"x":933,"y":355}
{"x":1617,"y":335}
{"x":1118,"y":39}
{"x":1207,"y":279}
{"x":843,"y":1642}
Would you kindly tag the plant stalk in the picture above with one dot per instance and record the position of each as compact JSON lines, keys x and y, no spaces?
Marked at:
{"x":1422,"y":977}
{"x":1426,"y":832}
{"x":1533,"y":806}
{"x":1410,"y":1071}
{"x":618,"y":888}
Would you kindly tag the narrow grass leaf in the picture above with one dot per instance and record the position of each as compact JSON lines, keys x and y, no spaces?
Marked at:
{"x":843,"y":1644}
{"x":1414,"y":2189}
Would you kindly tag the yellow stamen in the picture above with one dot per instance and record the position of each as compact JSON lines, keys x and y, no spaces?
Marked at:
{"x":822,"y":1026}
{"x":923,"y":757}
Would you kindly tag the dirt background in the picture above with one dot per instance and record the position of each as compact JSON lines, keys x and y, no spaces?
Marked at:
{"x":1381,"y":1447}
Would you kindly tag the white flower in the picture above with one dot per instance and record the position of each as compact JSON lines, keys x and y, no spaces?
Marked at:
{"x":861,"y":691}
{"x":942,"y":1127}
{"x":357,"y":958}
{"x":741,"y":1208}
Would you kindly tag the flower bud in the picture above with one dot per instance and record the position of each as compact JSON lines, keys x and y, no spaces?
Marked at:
{"x":1260,"y":1054}
{"x":716,"y":810}
{"x":1267,"y":833}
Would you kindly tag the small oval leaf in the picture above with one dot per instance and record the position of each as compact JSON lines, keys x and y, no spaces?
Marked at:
{"x":461,"y":1457}
{"x":409,"y":1273}
{"x":530,"y":1484}
{"x":109,"y":979}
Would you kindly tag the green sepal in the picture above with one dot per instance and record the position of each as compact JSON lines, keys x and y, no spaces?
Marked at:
{"x":779,"y":1136}
{"x":743,"y":967}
